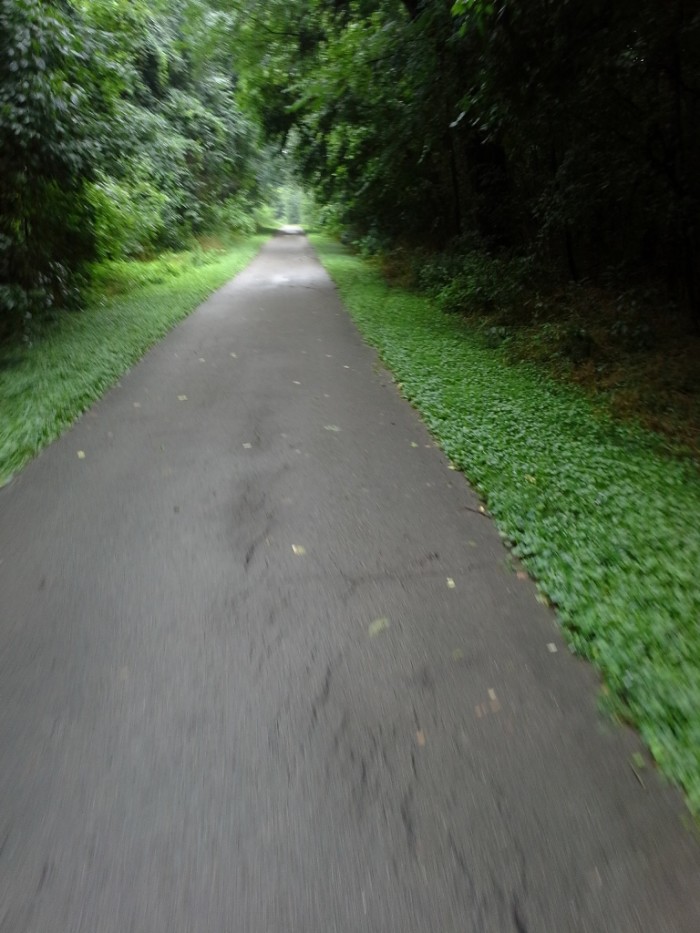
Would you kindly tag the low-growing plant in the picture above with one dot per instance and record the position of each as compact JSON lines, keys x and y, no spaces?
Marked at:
{"x":133,"y":305}
{"x":605,"y":520}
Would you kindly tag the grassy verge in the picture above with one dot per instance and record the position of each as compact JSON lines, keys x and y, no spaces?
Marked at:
{"x":605,"y":521}
{"x":46,"y":383}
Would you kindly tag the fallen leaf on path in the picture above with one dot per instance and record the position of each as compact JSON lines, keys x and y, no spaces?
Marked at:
{"x":493,"y":701}
{"x":379,"y":625}
{"x":137,"y":404}
{"x":235,"y":356}
{"x":296,"y":382}
{"x":247,"y":446}
{"x":420,"y":738}
{"x":413,"y":444}
{"x":450,"y":583}
{"x":182,"y":398}
{"x":457,"y":654}
{"x":331,"y":427}
{"x":551,"y":647}
{"x":451,"y":466}
{"x":81,"y":455}
{"x":638,"y":760}
{"x":521,"y":575}
{"x":202,"y":360}
{"x":299,"y":549}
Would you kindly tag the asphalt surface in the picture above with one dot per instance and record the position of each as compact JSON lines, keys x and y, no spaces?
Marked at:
{"x":240,"y":692}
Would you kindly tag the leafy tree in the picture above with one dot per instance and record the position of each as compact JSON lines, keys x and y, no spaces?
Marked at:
{"x":49,"y":146}
{"x":569,"y":131}
{"x":120,"y":134}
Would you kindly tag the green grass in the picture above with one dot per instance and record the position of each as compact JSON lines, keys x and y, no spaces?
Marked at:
{"x":45,"y":384}
{"x":606,"y":522}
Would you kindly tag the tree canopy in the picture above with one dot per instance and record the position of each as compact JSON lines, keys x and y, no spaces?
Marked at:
{"x":120,"y":134}
{"x":565,"y":131}
{"x":568,"y":130}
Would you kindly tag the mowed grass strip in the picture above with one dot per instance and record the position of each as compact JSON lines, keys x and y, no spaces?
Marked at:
{"x":606,"y":521}
{"x":48,"y":381}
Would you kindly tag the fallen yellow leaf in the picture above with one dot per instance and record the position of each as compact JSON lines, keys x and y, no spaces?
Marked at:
{"x":299,"y":549}
{"x":182,"y":398}
{"x":81,"y":455}
{"x":379,"y":625}
{"x":450,"y":583}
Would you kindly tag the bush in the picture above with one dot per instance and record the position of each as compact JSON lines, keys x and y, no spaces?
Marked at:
{"x":129,"y":219}
{"x":475,"y":281}
{"x":232,"y":216}
{"x":47,"y":71}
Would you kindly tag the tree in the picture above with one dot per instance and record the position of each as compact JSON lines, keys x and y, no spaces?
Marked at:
{"x":120,"y":133}
{"x":48,"y":149}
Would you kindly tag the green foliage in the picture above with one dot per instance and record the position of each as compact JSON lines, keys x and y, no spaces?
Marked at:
{"x":233,"y":217}
{"x":605,"y":522}
{"x":120,"y":134}
{"x":570,"y":131}
{"x":46,"y":384}
{"x":48,"y":145}
{"x":474,"y":281}
{"x":129,"y":218}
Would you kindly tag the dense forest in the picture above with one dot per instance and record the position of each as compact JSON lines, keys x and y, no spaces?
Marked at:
{"x":516,"y":139}
{"x":121,"y":135}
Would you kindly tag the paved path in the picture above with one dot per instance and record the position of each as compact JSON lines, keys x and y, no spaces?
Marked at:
{"x":205,"y":725}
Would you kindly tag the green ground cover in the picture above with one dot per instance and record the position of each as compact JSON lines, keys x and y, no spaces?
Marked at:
{"x":606,"y":522}
{"x":48,"y":380}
